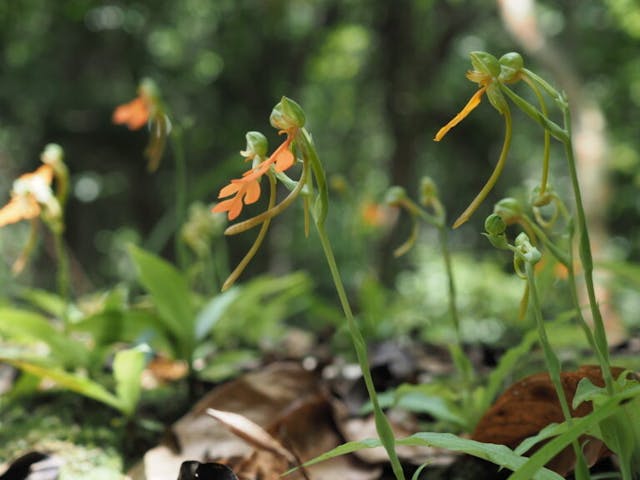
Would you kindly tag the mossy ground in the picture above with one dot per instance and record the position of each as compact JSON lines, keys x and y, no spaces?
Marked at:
{"x":92,"y":441}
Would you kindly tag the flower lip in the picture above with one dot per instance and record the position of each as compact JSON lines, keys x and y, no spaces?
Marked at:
{"x":473,"y":102}
{"x":246,"y":190}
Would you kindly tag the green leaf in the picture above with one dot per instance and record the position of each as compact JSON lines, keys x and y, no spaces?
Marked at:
{"x":551,"y":430}
{"x":75,"y":383}
{"x":225,"y":365}
{"x":498,"y":454}
{"x":435,"y":400}
{"x":586,"y":391}
{"x":26,"y":325}
{"x":213,"y":311}
{"x":46,"y":301}
{"x":171,"y":296}
{"x":127,"y":368}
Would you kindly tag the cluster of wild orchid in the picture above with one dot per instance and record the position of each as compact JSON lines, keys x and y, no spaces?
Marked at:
{"x":32,"y":197}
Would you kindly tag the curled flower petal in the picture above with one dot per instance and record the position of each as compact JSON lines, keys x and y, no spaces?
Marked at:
{"x":473,"y":102}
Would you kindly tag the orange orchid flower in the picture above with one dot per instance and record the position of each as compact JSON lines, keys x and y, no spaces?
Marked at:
{"x":30,"y":191}
{"x":134,"y":114}
{"x":246,"y":190}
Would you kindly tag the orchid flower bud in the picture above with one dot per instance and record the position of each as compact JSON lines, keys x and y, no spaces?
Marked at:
{"x":495,"y":228}
{"x":511,"y":65}
{"x":287,"y":115}
{"x":509,"y":210}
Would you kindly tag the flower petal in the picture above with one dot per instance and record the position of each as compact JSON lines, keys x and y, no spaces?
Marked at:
{"x":473,"y":102}
{"x":284,"y":160}
{"x":230,"y":189}
{"x":235,"y":209}
{"x":222,"y":206}
{"x":252,"y":193}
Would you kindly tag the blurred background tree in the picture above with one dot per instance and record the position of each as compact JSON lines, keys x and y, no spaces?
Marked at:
{"x":376,"y":78}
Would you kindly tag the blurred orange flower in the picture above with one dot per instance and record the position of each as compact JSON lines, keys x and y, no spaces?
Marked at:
{"x":246,"y":190}
{"x":376,"y":215}
{"x":134,"y":114}
{"x":30,"y":191}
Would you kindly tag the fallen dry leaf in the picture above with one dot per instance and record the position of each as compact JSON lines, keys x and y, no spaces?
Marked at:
{"x":284,"y":400}
{"x":251,"y":432}
{"x":531,"y":404}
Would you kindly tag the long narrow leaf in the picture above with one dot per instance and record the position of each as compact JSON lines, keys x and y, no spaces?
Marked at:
{"x":171,"y":295}
{"x":498,"y":454}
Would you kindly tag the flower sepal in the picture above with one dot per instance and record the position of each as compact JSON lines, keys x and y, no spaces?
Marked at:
{"x":485,"y":63}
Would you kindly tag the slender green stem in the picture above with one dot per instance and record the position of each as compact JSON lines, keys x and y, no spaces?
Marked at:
{"x":63,"y":277}
{"x":446,"y":257}
{"x":553,"y":364}
{"x":584,"y":249}
{"x":177,"y":145}
{"x":319,"y":213}
{"x":383,"y":426}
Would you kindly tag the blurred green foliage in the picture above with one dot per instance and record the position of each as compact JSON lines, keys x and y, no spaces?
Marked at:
{"x":376,"y":79}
